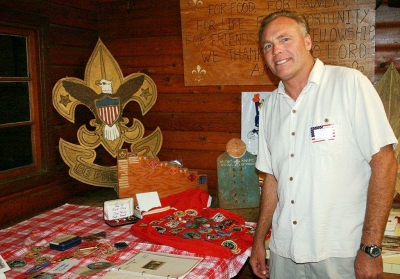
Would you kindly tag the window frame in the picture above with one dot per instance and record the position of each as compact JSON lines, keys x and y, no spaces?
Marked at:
{"x":41,"y":171}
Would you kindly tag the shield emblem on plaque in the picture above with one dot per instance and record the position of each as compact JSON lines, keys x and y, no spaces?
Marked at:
{"x":108,"y":109}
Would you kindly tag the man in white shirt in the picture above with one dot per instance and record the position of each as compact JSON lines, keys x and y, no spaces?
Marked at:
{"x":326,"y":148}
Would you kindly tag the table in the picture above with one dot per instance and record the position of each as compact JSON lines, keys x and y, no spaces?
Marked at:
{"x":17,"y":241}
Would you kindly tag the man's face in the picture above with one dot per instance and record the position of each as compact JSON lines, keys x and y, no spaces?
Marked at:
{"x":285,"y":48}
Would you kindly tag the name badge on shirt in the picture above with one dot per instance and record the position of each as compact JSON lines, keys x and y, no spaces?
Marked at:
{"x":322,"y":133}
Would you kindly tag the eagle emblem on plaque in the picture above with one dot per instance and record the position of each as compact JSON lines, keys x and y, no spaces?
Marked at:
{"x":105,"y":92}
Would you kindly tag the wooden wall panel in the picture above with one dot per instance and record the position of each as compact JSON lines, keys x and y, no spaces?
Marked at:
{"x":145,"y":36}
{"x":196,"y":121}
{"x":70,"y":38}
{"x":387,"y":42}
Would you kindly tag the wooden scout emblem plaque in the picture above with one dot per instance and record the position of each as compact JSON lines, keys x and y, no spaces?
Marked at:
{"x":237,"y":177}
{"x":138,"y":174}
{"x":105,"y":92}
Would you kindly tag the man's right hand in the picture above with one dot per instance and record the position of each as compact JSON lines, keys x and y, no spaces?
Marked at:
{"x":258,"y":262}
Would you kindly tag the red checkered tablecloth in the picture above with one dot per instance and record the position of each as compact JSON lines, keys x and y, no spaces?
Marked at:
{"x":17,"y":241}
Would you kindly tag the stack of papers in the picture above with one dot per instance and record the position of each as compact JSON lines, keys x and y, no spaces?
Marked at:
{"x":391,"y":244}
{"x":154,"y":265}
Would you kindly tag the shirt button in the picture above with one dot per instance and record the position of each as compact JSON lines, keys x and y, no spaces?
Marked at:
{"x":293,"y":133}
{"x":326,"y":120}
{"x":292,"y":201}
{"x":292,"y":155}
{"x":291,"y":178}
{"x":294,"y":111}
{"x":294,"y":222}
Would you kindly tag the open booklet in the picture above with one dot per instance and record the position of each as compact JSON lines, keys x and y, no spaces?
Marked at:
{"x":154,"y":265}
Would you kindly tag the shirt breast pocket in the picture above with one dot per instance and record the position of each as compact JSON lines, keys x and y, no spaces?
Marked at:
{"x":325,"y":136}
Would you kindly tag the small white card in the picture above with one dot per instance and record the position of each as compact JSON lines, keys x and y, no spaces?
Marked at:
{"x":117,"y":209}
{"x":64,"y":266}
{"x":148,"y":200}
{"x":3,"y":265}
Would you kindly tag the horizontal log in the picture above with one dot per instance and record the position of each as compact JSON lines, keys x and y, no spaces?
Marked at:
{"x":385,"y":14}
{"x":123,"y":9}
{"x":82,"y":5}
{"x":211,"y":122}
{"x":27,"y":204}
{"x":72,"y":36}
{"x":152,"y":46}
{"x":198,"y":103}
{"x":69,"y":56}
{"x":69,"y":16}
{"x":59,"y":72}
{"x":201,"y":141}
{"x":159,"y":64}
{"x":388,"y":34}
{"x":155,"y":27}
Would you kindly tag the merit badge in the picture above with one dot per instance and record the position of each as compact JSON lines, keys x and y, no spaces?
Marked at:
{"x":193,"y":225}
{"x":213,"y":237}
{"x":229,"y":222}
{"x":205,"y":230}
{"x":160,"y":229}
{"x":201,"y":219}
{"x":224,"y":233}
{"x":172,"y":224}
{"x":219,"y":227}
{"x":230,"y":244}
{"x":218,"y":217}
{"x":191,"y":235}
{"x":176,"y":230}
{"x":236,"y":229}
{"x":179,"y":213}
{"x":16,"y":263}
{"x":191,"y":212}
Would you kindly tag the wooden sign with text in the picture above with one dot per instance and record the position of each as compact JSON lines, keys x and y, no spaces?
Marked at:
{"x":220,"y":37}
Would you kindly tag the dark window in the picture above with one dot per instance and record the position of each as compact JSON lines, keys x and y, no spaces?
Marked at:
{"x":24,"y":153}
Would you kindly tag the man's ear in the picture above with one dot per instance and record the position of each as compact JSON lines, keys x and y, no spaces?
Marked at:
{"x":308,"y":42}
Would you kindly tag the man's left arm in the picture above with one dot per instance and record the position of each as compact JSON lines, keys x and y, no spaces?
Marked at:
{"x":379,"y":202}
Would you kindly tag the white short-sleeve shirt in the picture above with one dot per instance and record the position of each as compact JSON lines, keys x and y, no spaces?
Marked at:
{"x":319,"y":149}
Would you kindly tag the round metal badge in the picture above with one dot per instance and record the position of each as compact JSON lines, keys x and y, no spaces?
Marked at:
{"x":31,"y":255}
{"x":43,"y":259}
{"x":37,"y":249}
{"x":16,"y":263}
{"x":99,"y":265}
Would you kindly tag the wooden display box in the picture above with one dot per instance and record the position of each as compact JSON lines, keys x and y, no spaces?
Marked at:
{"x":139,"y":174}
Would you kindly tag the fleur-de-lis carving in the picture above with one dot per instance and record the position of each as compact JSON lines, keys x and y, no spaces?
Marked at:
{"x":358,"y":67}
{"x":198,"y":71}
{"x":196,"y":4}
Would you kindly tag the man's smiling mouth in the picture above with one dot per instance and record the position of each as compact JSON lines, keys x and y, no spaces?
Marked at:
{"x":281,"y":62}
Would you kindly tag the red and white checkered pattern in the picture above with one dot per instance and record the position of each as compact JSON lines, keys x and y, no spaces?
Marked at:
{"x":80,"y":220}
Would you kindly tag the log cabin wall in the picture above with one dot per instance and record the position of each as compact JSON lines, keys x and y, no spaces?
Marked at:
{"x":145,"y":36}
{"x":68,"y":41}
{"x":196,"y":122}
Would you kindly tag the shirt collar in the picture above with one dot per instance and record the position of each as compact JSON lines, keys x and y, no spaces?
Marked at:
{"x":315,"y":76}
{"x":316,"y":72}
